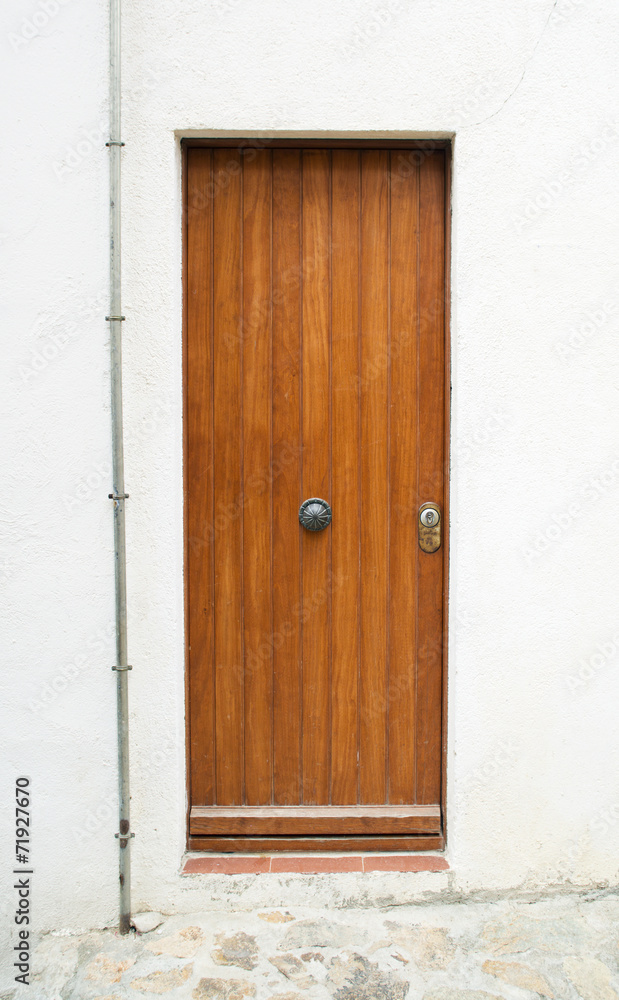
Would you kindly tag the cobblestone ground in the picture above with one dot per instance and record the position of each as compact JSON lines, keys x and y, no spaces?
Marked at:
{"x":566,"y":947}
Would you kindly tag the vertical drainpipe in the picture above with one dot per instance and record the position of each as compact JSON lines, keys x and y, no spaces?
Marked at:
{"x":118,"y":471}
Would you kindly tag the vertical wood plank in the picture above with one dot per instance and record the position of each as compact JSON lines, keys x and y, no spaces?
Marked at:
{"x":402,"y":484}
{"x":345,"y":473}
{"x":200,"y":475}
{"x":286,"y":484}
{"x":446,"y":484}
{"x":430,"y":484}
{"x":374,"y":480}
{"x":227,"y":290}
{"x":316,"y":546}
{"x":257,"y":612}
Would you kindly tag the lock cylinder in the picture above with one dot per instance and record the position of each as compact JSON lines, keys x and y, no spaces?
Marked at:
{"x":429,"y":527}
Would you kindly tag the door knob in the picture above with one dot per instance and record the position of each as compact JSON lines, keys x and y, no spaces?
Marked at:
{"x":315,"y":514}
{"x":429,"y":527}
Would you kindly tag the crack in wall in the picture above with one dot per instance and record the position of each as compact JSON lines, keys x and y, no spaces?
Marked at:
{"x":522,"y":75}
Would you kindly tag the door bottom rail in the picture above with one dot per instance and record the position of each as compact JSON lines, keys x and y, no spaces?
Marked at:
{"x":303,"y":821}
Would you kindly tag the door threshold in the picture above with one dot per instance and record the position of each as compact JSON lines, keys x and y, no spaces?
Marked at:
{"x":311,"y":864}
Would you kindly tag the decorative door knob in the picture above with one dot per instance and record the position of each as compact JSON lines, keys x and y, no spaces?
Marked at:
{"x":315,"y":514}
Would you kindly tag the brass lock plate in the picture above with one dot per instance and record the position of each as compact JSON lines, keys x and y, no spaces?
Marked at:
{"x":429,"y":527}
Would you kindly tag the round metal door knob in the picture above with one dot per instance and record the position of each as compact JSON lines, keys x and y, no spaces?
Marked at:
{"x":429,"y":516}
{"x":315,"y":514}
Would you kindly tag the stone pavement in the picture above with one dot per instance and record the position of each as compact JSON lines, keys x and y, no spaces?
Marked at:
{"x":565,"y":947}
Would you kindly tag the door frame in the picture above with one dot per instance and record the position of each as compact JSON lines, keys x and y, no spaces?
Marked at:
{"x":271,"y":142}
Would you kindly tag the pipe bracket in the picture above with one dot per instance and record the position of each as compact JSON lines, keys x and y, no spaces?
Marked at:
{"x":114,"y":142}
{"x":118,"y":496}
{"x":108,"y":319}
{"x":122,"y":668}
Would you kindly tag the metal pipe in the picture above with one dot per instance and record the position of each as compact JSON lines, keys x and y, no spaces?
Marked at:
{"x":118,"y":496}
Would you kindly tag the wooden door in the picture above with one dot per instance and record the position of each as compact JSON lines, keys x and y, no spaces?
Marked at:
{"x":315,"y":367}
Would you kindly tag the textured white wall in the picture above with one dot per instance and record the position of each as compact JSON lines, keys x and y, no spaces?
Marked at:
{"x":531,"y":92}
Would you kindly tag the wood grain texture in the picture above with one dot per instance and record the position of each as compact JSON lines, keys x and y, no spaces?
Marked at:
{"x":315,"y":366}
{"x":430,"y":373}
{"x":261,"y":845}
{"x":315,"y":476}
{"x":374,"y":445}
{"x":345,"y":492}
{"x":446,"y":481}
{"x":228,"y":450}
{"x":257,"y":464}
{"x":287,"y":498}
{"x":199,"y":477}
{"x":308,"y":820}
{"x":402,"y":473}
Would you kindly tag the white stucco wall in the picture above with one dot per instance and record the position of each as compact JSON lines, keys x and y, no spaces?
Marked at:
{"x":532,"y":94}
